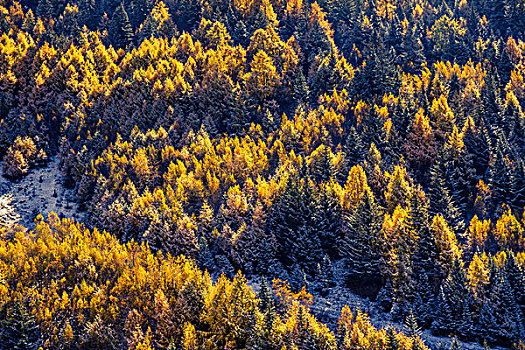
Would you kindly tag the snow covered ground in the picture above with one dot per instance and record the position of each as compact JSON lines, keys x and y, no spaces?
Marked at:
{"x":41,"y":192}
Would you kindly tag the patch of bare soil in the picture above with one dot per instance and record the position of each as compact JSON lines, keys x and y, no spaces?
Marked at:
{"x":41,"y":192}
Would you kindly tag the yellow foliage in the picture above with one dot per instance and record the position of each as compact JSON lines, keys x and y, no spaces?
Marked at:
{"x":509,"y":232}
{"x":399,"y":189}
{"x":478,"y":234}
{"x":478,"y":274}
{"x":442,"y":116}
{"x":446,"y":243}
{"x":356,"y":187}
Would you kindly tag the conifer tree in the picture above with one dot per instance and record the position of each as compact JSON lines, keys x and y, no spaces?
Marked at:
{"x":442,"y":201}
{"x":325,"y":276}
{"x":424,"y":302}
{"x":500,"y":175}
{"x":292,"y":225}
{"x":88,"y":15}
{"x":446,"y":244}
{"x":487,"y":327}
{"x":321,"y":166}
{"x":421,"y":147}
{"x":459,"y":172}
{"x":412,"y":328}
{"x":477,"y":142}
{"x":507,"y":314}
{"x":120,"y":28}
{"x":327,"y":218}
{"x":19,"y":329}
{"x":354,"y":148}
{"x":139,"y":12}
{"x":425,"y":255}
{"x":385,"y":296}
{"x":454,"y":302}
{"x":516,"y":279}
{"x":455,"y":344}
{"x":359,"y":245}
{"x":392,"y":342}
{"x":45,"y":9}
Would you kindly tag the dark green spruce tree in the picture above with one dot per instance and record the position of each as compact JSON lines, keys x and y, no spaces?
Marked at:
{"x":120,"y":30}
{"x":359,"y":247}
{"x":19,"y":330}
{"x":292,"y":224}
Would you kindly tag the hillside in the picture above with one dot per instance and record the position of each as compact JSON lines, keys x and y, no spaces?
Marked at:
{"x":367,"y":148}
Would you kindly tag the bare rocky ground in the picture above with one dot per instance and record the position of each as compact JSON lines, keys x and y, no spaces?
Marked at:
{"x":41,"y":192}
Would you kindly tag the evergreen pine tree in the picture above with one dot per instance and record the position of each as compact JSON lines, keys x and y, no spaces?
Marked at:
{"x":45,"y":9}
{"x":292,"y":225}
{"x":120,"y":29}
{"x":327,"y":219}
{"x":441,"y":323}
{"x":321,"y":166}
{"x":19,"y":329}
{"x":425,"y":255}
{"x":205,"y":257}
{"x":88,"y":15}
{"x":359,"y":245}
{"x":516,"y":279}
{"x":325,"y":276}
{"x":508,"y":316}
{"x":477,"y":142}
{"x":392,"y":342}
{"x":412,"y":327}
{"x":486,"y":325}
{"x":491,"y":96}
{"x":298,"y":278}
{"x":139,"y":9}
{"x":385,"y":296}
{"x":454,"y":303}
{"x":412,"y":50}
{"x":424,"y":306}
{"x":442,"y":201}
{"x":454,"y":345}
{"x":354,"y":148}
{"x":458,"y":170}
{"x":517,"y":183}
{"x":301,"y":91}
{"x":267,"y":303}
{"x":500,"y":175}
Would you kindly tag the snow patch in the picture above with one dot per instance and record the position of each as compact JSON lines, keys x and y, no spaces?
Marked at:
{"x":41,"y":191}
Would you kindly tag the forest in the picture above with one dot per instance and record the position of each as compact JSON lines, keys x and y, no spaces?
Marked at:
{"x":376,"y":146}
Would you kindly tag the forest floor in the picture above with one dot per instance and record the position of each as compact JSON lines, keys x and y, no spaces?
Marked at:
{"x":41,"y":191}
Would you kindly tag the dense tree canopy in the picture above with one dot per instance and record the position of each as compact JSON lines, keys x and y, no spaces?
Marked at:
{"x":374,"y":145}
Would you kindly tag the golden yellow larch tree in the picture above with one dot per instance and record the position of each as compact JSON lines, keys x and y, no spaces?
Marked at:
{"x":230,"y":312}
{"x":455,"y":143}
{"x":508,"y":232}
{"x":355,"y":188}
{"x":446,"y":244}
{"x":263,"y":79}
{"x":478,"y":233}
{"x":478,"y":275}
{"x":421,"y":148}
{"x":399,"y":190}
{"x":442,"y":117}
